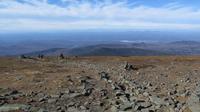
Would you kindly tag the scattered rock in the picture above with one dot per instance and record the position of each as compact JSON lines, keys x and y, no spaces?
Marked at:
{"x":43,"y":99}
{"x":42,"y":110}
{"x":84,"y":79}
{"x":13,"y":92}
{"x":147,"y":90}
{"x":129,"y":67}
{"x":74,"y":95}
{"x":126,"y":106}
{"x":119,"y":93}
{"x":156,"y":100}
{"x":87,"y":92}
{"x":14,"y":107}
{"x":104,"y":75}
{"x":144,"y":105}
{"x":146,"y":94}
{"x":52,"y":100}
{"x":194,"y":100}
{"x":103,"y":92}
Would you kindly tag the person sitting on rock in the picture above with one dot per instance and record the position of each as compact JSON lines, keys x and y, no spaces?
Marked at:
{"x":61,"y":56}
{"x":41,"y":56}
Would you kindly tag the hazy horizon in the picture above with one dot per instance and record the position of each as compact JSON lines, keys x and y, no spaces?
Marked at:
{"x":103,"y":35}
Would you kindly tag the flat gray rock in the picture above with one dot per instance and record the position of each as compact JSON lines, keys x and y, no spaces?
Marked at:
{"x":194,"y":100}
{"x":13,"y":107}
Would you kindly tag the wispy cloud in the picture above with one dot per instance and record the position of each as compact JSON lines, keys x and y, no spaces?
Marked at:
{"x":75,"y":14}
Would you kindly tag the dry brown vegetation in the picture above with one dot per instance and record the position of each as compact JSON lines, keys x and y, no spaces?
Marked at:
{"x":51,"y":76}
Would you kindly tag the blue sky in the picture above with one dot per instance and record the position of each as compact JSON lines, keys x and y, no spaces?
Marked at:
{"x":48,"y":15}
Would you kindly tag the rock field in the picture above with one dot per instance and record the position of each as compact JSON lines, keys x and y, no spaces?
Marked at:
{"x":100,"y":84}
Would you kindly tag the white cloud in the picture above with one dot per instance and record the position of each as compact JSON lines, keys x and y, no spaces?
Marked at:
{"x":40,"y":15}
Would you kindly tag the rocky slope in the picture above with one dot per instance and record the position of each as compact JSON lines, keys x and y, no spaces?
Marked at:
{"x":100,"y":84}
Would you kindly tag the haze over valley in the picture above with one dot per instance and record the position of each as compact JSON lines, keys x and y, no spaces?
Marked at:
{"x":127,"y":43}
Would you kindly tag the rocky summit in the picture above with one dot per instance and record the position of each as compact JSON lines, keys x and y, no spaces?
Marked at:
{"x":100,"y":84}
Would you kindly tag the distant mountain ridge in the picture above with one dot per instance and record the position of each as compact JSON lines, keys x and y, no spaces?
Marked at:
{"x":186,"y":42}
{"x":111,"y":51}
{"x":99,"y":51}
{"x":129,"y":49}
{"x":107,"y":49}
